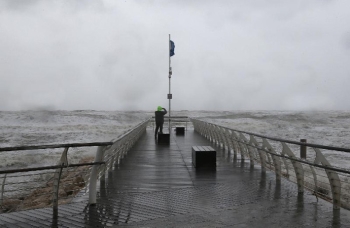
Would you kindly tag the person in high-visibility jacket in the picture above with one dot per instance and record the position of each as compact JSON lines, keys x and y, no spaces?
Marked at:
{"x":159,"y":115}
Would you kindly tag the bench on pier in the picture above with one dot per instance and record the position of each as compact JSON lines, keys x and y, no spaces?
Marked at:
{"x":180,"y":130}
{"x":203,"y":157}
{"x":163,"y":139}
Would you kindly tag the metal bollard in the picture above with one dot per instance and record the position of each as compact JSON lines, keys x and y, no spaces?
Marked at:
{"x":303,"y":149}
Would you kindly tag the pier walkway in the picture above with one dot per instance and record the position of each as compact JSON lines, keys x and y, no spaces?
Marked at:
{"x":156,"y":186}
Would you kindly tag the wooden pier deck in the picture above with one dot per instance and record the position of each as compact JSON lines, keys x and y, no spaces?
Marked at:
{"x":156,"y":186}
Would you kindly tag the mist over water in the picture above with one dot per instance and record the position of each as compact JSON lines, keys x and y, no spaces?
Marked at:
{"x":25,"y":128}
{"x":113,"y":55}
{"x":330,"y":128}
{"x":21,"y":128}
{"x":54,"y":127}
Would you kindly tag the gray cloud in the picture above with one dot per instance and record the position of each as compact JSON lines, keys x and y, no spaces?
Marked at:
{"x":346,"y":40}
{"x":229,"y":55}
{"x":18,"y":4}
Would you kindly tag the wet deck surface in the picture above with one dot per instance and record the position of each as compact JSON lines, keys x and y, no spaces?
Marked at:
{"x":156,"y":186}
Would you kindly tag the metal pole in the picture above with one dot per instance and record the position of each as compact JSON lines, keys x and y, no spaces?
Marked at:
{"x":303,"y":149}
{"x":169,"y":86}
{"x":56,"y":186}
{"x":94,"y":176}
{"x":2,"y":189}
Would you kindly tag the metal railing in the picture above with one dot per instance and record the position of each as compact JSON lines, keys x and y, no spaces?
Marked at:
{"x":46,"y":186}
{"x":315,"y":172}
{"x":113,"y":154}
{"x":175,"y":121}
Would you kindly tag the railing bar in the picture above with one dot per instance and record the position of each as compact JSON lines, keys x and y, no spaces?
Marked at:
{"x":174,"y":117}
{"x":29,"y":175}
{"x":287,"y":141}
{"x":3,"y":149}
{"x":313,"y":164}
{"x":125,"y":141}
{"x":301,"y":161}
{"x":120,"y":137}
{"x":48,"y":167}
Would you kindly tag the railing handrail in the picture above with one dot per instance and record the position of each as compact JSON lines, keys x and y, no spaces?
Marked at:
{"x":49,"y":167}
{"x":107,"y":155}
{"x":124,"y":142}
{"x":299,"y":160}
{"x":174,"y":117}
{"x":52,"y":146}
{"x":120,"y":137}
{"x":258,"y":149}
{"x":65,"y":145}
{"x":347,"y":150}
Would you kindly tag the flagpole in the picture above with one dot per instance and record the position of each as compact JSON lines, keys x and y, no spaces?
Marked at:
{"x":169,"y":87}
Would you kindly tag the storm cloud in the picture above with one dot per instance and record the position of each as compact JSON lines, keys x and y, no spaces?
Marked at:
{"x":229,"y":55}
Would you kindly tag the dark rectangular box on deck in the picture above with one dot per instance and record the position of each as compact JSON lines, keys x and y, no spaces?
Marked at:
{"x":180,"y":130}
{"x":163,"y":138}
{"x":203,"y":157}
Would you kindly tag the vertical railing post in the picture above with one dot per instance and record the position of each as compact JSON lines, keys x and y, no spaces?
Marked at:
{"x":234,"y":140}
{"x":333,"y":178}
{"x":298,"y":168}
{"x":215,"y":134}
{"x":94,"y":176}
{"x":56,"y":186}
{"x":2,"y":189}
{"x":228,"y":141}
{"x":275,"y":159}
{"x":56,"y":182}
{"x":303,"y":149}
{"x":242,"y":146}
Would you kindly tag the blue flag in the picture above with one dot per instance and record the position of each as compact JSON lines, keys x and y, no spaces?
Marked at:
{"x":172,"y":48}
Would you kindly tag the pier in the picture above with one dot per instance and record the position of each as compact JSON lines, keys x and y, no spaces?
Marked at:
{"x":157,"y":186}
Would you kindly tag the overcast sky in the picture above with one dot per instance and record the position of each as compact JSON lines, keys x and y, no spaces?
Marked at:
{"x":229,"y":55}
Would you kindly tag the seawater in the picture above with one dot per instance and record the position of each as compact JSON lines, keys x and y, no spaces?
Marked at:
{"x":25,"y":128}
{"x":22,"y":128}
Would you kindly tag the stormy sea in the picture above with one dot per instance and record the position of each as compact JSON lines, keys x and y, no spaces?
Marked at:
{"x":22,"y":128}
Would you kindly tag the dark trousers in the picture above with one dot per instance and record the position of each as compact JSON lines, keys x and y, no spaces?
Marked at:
{"x":159,"y":126}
